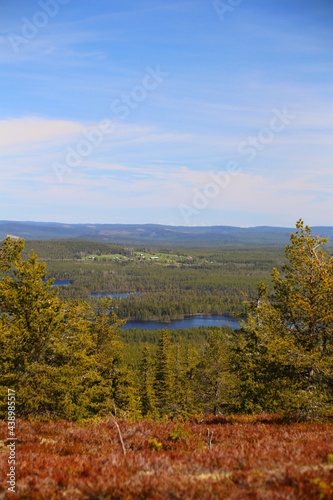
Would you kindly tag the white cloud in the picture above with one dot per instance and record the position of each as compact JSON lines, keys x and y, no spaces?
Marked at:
{"x":20,"y":131}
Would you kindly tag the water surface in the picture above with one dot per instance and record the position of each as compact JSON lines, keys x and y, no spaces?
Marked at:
{"x":188,"y":322}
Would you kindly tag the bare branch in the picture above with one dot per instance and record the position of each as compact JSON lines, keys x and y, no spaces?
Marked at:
{"x":120,"y":436}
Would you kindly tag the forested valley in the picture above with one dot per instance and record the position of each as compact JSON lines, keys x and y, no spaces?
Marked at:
{"x":162,"y":284}
{"x":104,"y":412}
{"x":69,"y":358}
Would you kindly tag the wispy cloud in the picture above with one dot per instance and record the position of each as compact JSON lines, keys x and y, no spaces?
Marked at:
{"x":28,"y":130}
{"x":225,"y":80}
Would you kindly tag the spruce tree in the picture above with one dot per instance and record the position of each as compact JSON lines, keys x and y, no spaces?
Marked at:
{"x":146,"y":380}
{"x":215,"y":382}
{"x":116,"y":388}
{"x":184,"y":360}
{"x":163,"y":375}
{"x":190,"y":361}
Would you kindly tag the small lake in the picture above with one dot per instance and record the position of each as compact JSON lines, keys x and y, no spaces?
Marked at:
{"x":189,"y":322}
{"x":112,"y":295}
{"x":59,"y":283}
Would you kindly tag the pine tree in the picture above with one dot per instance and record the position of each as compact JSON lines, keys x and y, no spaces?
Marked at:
{"x":285,"y":356}
{"x":303,"y":297}
{"x":49,"y":354}
{"x":40,"y":352}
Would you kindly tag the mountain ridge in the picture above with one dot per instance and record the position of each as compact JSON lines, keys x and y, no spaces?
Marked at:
{"x":155,"y":234}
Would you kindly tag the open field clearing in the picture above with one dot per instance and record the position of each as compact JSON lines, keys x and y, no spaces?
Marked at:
{"x":250,"y":458}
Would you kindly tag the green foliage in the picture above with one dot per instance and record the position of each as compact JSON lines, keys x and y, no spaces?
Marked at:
{"x":179,"y":433}
{"x":214,"y":379}
{"x":213,"y":282}
{"x":63,"y":359}
{"x":284,"y":357}
{"x":163,"y":375}
{"x":155,"y":445}
{"x":69,"y":359}
{"x":185,"y":359}
{"x":146,"y":378}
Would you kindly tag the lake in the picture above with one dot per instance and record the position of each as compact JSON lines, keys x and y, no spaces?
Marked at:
{"x":188,"y":322}
{"x":59,"y":282}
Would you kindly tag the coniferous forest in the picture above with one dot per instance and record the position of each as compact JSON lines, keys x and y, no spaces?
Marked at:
{"x":165,"y":327}
{"x":68,"y":360}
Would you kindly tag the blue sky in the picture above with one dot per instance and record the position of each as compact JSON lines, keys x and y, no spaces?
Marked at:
{"x":167,"y":111}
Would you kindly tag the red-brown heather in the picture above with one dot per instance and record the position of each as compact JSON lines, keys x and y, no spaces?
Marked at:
{"x":250,"y":458}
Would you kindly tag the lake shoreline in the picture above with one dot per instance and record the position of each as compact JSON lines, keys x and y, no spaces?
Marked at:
{"x":186,"y":316}
{"x":189,"y":321}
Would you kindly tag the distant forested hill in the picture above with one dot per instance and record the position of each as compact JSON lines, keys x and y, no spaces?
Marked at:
{"x":154,"y":234}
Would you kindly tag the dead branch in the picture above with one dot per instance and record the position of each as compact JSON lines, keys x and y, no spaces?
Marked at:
{"x":209,"y":439}
{"x":120,"y":437}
